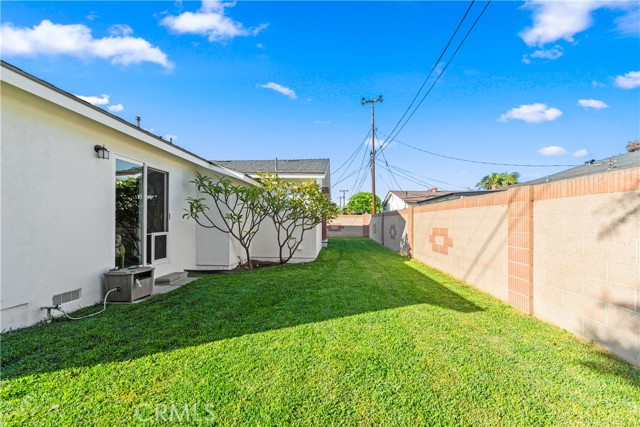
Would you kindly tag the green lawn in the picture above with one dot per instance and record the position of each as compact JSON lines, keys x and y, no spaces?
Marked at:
{"x":362,"y":336}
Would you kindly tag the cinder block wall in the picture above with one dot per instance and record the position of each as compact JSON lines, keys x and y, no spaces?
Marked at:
{"x":567,"y":252}
{"x":349,"y":226}
{"x":586,"y":259}
{"x":468,"y":239}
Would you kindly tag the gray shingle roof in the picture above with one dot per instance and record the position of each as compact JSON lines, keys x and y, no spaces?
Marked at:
{"x":418,"y":196}
{"x":294,"y":166}
{"x":621,"y":161}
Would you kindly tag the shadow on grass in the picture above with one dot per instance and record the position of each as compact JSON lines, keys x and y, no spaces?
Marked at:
{"x":625,"y":371}
{"x":351,"y":277}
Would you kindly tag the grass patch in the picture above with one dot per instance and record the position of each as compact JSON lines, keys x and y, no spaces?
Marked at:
{"x":362,"y":336}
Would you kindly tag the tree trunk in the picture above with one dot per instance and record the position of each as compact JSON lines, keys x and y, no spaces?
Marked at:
{"x":249,"y":264}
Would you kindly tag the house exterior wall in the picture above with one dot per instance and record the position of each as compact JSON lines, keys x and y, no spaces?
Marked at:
{"x":394,"y":203}
{"x":567,"y":252}
{"x":265,"y":248}
{"x":58,"y":215}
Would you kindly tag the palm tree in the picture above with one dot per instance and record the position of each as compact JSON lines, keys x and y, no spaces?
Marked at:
{"x":497,"y":180}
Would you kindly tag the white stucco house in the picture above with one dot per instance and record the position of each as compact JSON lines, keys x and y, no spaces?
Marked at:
{"x":69,"y":171}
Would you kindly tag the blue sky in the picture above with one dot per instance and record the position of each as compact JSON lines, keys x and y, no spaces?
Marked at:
{"x":539,"y":83}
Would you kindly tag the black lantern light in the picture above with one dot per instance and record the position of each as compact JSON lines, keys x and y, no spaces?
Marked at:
{"x":101,"y":151}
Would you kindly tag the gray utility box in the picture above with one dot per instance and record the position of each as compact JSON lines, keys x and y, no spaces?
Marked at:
{"x":134,"y":283}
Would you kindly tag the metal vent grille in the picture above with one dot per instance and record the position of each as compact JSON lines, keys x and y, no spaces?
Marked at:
{"x":66,"y":297}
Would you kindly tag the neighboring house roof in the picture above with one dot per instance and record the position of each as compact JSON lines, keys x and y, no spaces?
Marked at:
{"x":286,"y":168}
{"x":451,"y":195}
{"x":21,"y":79}
{"x":621,"y":161}
{"x":295,"y":166}
{"x":413,"y":197}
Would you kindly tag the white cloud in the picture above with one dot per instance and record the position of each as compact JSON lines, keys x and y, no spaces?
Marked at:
{"x":550,"y":54}
{"x":280,"y":89}
{"x":531,"y":113}
{"x":210,"y":21}
{"x":552,"y":150}
{"x":76,"y":40}
{"x":581,"y":153}
{"x":595,"y":83}
{"x":120,"y":30}
{"x":592,"y":103}
{"x":95,"y":100}
{"x":554,"y":53}
{"x":629,"y":23}
{"x":170,"y":137}
{"x":379,"y":143}
{"x":555,"y":20}
{"x":115,"y":108}
{"x":630,"y":80}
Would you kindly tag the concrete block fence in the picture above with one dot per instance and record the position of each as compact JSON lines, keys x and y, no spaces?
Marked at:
{"x":567,"y":252}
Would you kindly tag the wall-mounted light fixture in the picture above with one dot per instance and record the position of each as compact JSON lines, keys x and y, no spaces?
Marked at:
{"x":101,"y":151}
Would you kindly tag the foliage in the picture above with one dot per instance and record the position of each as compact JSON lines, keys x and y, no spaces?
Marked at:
{"x":294,"y":208}
{"x":239,"y":209}
{"x":362,"y":336}
{"x":360,"y":203}
{"x":128,"y":211}
{"x":633,"y":146}
{"x":497,"y":180}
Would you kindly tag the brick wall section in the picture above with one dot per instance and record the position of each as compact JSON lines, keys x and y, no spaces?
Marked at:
{"x":567,"y":252}
{"x":349,"y":226}
{"x":520,"y":243}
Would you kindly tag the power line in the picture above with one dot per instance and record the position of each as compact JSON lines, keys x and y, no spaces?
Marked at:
{"x":399,"y":169}
{"x":373,"y":101}
{"x":410,"y":178}
{"x":352,"y":156}
{"x":432,"y":69}
{"x":479,"y":161}
{"x":361,"y":147}
{"x":391,"y":173}
{"x":439,"y":75}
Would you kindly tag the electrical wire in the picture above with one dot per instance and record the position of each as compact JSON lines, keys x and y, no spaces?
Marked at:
{"x":89,"y":315}
{"x":410,"y":178}
{"x":392,"y":136}
{"x":399,"y":169}
{"x":353,"y":155}
{"x":479,"y":161}
{"x":432,"y":69}
{"x":393,"y":178}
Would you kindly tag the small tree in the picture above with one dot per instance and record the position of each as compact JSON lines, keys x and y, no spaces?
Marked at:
{"x":497,"y":180}
{"x":360,"y":203}
{"x":633,"y":146}
{"x":241,"y":209}
{"x":294,"y":208}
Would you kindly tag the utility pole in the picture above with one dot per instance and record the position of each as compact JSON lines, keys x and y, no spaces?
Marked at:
{"x":373,"y":151}
{"x":344,"y":198}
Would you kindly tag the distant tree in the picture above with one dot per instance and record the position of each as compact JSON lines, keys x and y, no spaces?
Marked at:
{"x":360,"y":203}
{"x":294,"y":208}
{"x":240,"y":209}
{"x":497,"y":180}
{"x":633,"y":146}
